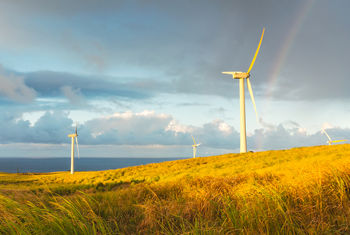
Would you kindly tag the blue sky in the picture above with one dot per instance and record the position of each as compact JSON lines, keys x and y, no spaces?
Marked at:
{"x":140,"y":77}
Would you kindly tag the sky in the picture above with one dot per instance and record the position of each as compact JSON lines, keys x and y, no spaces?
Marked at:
{"x":140,"y":77}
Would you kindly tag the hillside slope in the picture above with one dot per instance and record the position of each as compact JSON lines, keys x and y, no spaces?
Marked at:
{"x":301,"y":190}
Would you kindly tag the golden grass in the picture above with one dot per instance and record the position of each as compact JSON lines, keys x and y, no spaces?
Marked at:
{"x":301,"y":190}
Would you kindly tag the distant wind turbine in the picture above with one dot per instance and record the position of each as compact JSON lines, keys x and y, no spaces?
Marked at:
{"x":242,"y":76}
{"x":330,"y":141}
{"x":194,"y":146}
{"x":74,"y":137}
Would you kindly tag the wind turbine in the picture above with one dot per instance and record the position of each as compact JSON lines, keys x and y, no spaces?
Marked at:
{"x":73,"y":136}
{"x":194,"y":146}
{"x":330,"y":141}
{"x":242,"y":76}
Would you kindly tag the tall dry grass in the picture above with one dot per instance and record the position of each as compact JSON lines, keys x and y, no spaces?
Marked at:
{"x":299,"y":191}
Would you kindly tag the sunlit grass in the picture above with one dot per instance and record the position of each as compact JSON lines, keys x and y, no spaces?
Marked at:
{"x":302,"y":190}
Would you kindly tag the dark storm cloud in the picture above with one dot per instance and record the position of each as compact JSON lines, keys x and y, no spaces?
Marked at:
{"x":14,"y":88}
{"x":314,"y":66}
{"x":191,"y":42}
{"x":50,"y":84}
{"x":74,"y":96}
{"x":317,"y":61}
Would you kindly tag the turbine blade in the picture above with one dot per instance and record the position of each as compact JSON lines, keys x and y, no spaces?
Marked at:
{"x":193,"y":140}
{"x":324,"y":131}
{"x":229,"y":73}
{"x":256,"y":52}
{"x":336,"y":141}
{"x":76,"y":141}
{"x":252,"y":97}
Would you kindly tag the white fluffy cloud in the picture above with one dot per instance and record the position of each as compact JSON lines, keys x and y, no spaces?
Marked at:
{"x":151,"y":128}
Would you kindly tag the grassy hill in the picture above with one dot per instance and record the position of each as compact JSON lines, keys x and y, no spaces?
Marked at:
{"x":301,"y":190}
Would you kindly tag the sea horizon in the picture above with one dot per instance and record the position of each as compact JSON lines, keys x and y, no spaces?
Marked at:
{"x":45,"y":165}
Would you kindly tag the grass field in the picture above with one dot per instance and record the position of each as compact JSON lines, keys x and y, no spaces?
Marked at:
{"x":296,"y":191}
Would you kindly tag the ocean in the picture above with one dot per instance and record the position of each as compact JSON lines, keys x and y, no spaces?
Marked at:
{"x":35,"y":165}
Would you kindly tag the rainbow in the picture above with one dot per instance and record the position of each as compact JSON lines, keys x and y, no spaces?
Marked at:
{"x":280,"y":59}
{"x":286,"y":46}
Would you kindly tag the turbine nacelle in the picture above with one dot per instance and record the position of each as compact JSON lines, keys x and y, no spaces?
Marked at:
{"x":238,"y":75}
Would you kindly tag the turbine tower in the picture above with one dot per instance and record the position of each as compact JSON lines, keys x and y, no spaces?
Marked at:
{"x":242,"y":76}
{"x":73,"y":136}
{"x":194,"y":146}
{"x":330,"y":141}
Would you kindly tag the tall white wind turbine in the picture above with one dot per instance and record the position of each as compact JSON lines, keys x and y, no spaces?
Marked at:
{"x":242,"y":76}
{"x":74,"y":137}
{"x":330,"y":141}
{"x":194,"y":146}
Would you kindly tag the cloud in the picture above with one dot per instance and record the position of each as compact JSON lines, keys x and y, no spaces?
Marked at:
{"x":150,"y":128}
{"x":14,"y":88}
{"x":327,"y":125}
{"x":142,"y":128}
{"x":93,"y":52}
{"x":13,"y":129}
{"x":50,"y":84}
{"x":188,"y":44}
{"x":74,"y":96}
{"x":52,"y":127}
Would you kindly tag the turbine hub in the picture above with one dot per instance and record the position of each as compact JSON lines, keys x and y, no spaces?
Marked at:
{"x":240,"y":75}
